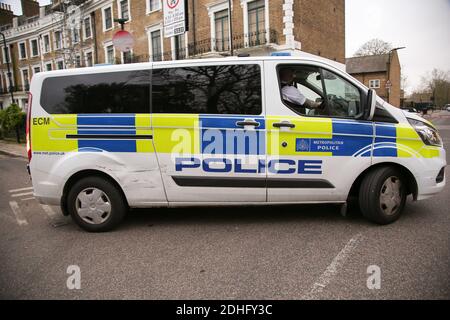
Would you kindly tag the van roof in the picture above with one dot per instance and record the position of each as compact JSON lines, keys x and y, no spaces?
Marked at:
{"x":302,"y":56}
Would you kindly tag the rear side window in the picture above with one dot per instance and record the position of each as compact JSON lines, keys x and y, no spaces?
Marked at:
{"x":224,"y":89}
{"x":112,"y":92}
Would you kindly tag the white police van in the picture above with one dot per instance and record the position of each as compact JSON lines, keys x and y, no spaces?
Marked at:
{"x":222,"y":132}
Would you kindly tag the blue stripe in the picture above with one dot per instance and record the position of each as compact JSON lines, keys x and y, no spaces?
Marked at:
{"x":352,"y":128}
{"x":108,"y":145}
{"x":385,"y":131}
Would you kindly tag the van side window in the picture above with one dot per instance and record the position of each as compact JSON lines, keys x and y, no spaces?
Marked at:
{"x":223,"y":89}
{"x":344,"y":99}
{"x":112,"y":92}
{"x":312,"y":91}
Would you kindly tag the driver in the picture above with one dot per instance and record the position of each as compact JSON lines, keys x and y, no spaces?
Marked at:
{"x":291,"y":94}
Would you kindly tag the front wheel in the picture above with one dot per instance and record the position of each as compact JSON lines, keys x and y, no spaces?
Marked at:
{"x":382,"y":195}
{"x":96,"y":204}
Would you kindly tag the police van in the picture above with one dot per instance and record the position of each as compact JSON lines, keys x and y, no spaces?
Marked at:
{"x":212,"y":132}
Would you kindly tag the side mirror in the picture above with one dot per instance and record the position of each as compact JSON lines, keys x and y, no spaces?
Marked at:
{"x":370,"y":104}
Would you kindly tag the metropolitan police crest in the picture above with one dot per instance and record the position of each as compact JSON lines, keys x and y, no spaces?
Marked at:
{"x":302,"y":145}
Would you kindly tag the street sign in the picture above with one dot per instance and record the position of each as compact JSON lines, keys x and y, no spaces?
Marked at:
{"x":123,"y":41}
{"x":388,"y":84}
{"x":174,"y":17}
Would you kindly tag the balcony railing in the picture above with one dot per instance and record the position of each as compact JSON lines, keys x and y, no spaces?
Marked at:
{"x":209,"y":45}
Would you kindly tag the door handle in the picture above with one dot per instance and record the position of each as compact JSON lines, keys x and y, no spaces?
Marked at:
{"x":247,"y":122}
{"x":284,"y":124}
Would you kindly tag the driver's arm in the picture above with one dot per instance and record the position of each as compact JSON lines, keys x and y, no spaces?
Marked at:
{"x":293,"y":95}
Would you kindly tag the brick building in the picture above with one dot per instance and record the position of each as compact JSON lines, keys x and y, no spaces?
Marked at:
{"x":375,"y":71}
{"x":59,"y":37}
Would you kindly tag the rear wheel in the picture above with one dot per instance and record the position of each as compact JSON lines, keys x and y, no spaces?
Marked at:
{"x":382,"y":195}
{"x":96,"y":204}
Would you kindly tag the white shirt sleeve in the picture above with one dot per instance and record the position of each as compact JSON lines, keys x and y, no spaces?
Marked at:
{"x":291,"y":94}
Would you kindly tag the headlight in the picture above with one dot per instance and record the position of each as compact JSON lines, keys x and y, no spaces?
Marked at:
{"x":429,"y":135}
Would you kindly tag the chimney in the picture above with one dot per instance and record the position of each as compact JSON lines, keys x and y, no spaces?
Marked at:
{"x":6,"y":15}
{"x":30,"y":8}
{"x":42,"y":12}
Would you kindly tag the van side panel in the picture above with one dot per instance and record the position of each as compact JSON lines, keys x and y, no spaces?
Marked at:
{"x":66,"y":144}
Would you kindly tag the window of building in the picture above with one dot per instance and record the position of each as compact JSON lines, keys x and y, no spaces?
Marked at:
{"x":221,"y":23}
{"x":48,"y":66}
{"x":109,"y":54}
{"x":6,"y":54}
{"x":34,"y":47}
{"x":87,"y":28}
{"x":107,"y":18}
{"x":224,"y":89}
{"x":153,"y":5}
{"x":89,"y":59}
{"x":112,"y":92}
{"x":256,"y":23}
{"x":124,"y":9}
{"x":127,"y":57}
{"x":60,"y":64}
{"x":58,"y":40}
{"x":78,"y":61}
{"x":46,"y":40}
{"x":156,"y":46}
{"x":179,"y":47}
{"x":22,"y":50}
{"x":374,"y":84}
{"x":75,"y":35}
{"x":36,"y":69}
{"x":25,"y":79}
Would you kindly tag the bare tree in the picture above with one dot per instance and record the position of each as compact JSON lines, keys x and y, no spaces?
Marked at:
{"x":437,"y":84}
{"x":373,"y":47}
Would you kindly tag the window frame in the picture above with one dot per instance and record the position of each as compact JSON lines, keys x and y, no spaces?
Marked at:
{"x":4,"y":55}
{"x":110,"y":6}
{"x":259,"y":63}
{"x":119,"y":10}
{"x":85,"y":55}
{"x":150,"y":43}
{"x":32,"y":55}
{"x":148,"y":9}
{"x":34,"y":67}
{"x":244,"y":5}
{"x":61,"y":44}
{"x":375,"y":87}
{"x":18,"y":48}
{"x":106,"y":45}
{"x":44,"y":51}
{"x":48,"y":63}
{"x":362,"y":94}
{"x":57,"y":61}
{"x":85,"y":37}
{"x":23,"y":80}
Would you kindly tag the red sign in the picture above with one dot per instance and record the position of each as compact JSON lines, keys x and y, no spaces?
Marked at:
{"x":172,"y":3}
{"x":123,"y":40}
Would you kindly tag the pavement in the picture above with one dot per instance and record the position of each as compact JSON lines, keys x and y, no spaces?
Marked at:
{"x":273,"y":252}
{"x":13,"y":149}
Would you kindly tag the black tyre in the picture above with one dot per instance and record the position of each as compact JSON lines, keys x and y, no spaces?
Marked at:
{"x":96,"y":204}
{"x":382,"y":195}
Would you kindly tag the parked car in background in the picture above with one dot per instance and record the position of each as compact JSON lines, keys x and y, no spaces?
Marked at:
{"x":410,"y":109}
{"x":447,"y":107}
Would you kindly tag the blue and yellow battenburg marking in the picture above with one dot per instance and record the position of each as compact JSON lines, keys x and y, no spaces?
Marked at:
{"x":209,"y":134}
{"x":53,"y":136}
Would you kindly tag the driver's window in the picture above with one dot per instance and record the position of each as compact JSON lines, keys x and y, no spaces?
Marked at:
{"x":344,"y":99}
{"x":301,"y":88}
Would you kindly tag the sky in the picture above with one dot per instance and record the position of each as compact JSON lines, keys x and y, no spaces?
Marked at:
{"x":422,"y":26}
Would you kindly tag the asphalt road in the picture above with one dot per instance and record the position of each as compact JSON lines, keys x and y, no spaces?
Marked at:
{"x":282,"y":252}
